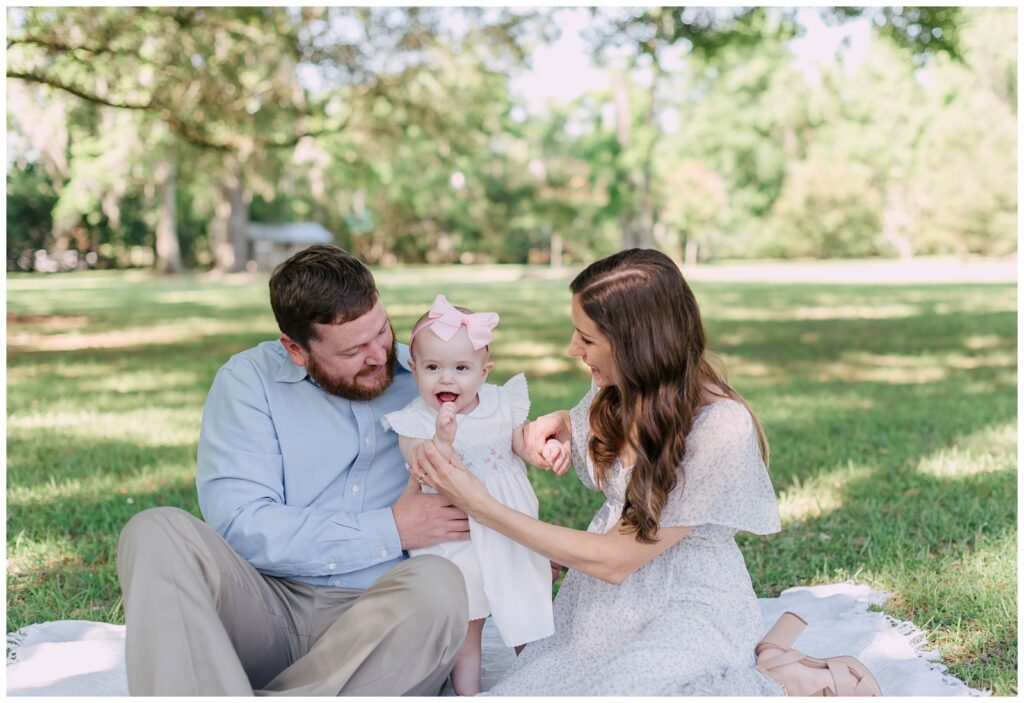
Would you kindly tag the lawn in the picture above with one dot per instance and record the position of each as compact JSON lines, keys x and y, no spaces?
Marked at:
{"x":891,"y":412}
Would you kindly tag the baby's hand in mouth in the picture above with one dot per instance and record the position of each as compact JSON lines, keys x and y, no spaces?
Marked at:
{"x":446,"y":397}
{"x":444,"y":430}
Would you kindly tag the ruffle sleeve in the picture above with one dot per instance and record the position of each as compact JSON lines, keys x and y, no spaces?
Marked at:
{"x":517,"y":395}
{"x":724,"y":480}
{"x":580,"y":420}
{"x":411,"y":421}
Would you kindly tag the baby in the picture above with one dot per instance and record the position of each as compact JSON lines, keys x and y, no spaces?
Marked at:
{"x":449,"y":356}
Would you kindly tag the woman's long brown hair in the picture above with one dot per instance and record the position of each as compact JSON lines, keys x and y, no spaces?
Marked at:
{"x":640,"y":301}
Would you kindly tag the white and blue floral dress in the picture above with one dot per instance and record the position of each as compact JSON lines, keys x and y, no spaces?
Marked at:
{"x":686,"y":622}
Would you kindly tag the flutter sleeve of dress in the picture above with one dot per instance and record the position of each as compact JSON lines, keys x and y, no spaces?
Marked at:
{"x":724,"y":480}
{"x":517,"y":395}
{"x":580,"y":420}
{"x":414,"y":421}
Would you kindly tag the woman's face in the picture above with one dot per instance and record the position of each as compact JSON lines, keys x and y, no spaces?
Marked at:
{"x":591,"y":345}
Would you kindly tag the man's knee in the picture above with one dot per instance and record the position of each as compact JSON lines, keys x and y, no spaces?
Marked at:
{"x":440,"y":589}
{"x":152,"y":524}
{"x":154,"y":534}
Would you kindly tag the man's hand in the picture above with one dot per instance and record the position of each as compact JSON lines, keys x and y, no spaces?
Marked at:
{"x":537,"y":434}
{"x":424,"y":519}
{"x":556,"y":571}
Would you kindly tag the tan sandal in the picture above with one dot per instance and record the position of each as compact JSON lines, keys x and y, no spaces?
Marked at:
{"x":849,"y":675}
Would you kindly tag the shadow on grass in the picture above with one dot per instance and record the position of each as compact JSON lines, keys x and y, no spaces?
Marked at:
{"x":787,"y":341}
{"x":66,"y":567}
{"x":46,"y":458}
{"x":894,"y":424}
{"x":858,"y":385}
{"x":945,"y":548}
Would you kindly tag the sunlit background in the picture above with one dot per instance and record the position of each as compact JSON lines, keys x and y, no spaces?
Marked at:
{"x":158,"y":137}
{"x":838,"y":184}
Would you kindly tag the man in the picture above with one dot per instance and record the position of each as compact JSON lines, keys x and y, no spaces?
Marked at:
{"x":298,"y":582}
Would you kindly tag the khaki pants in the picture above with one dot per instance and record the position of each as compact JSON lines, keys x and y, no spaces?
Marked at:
{"x":202,"y":621}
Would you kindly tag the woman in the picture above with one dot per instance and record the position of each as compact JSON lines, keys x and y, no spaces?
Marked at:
{"x":657,"y":600}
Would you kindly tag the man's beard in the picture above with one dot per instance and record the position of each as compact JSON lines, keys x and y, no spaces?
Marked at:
{"x":350,"y":389}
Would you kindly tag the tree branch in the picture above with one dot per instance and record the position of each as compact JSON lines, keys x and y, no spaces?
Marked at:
{"x":166,"y":114}
{"x":179,"y":126}
{"x":45,"y":80}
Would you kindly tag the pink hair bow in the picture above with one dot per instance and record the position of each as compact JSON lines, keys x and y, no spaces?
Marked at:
{"x":444,"y":320}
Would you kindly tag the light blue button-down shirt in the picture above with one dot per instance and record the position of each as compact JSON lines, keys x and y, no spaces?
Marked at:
{"x":298,"y":481}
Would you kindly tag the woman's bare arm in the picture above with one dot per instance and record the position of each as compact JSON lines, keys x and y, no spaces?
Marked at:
{"x":610,"y":557}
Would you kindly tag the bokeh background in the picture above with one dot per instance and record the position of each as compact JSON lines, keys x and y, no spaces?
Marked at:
{"x":153,"y":137}
{"x":839,"y":186}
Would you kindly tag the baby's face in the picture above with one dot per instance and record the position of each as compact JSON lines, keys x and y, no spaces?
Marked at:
{"x":449,"y":371}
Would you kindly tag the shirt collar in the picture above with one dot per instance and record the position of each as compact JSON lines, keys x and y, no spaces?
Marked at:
{"x":403,"y":356}
{"x":488,"y":401}
{"x":290,"y":372}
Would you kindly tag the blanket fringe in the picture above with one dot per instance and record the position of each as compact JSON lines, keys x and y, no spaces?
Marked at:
{"x":14,"y":641}
{"x":917,"y":639}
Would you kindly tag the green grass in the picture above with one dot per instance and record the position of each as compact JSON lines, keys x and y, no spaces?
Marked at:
{"x":891,"y":411}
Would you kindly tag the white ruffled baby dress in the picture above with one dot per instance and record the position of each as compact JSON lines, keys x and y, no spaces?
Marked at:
{"x":503,"y":578}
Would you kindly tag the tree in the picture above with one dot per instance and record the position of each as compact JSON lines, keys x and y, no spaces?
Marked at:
{"x":647,"y":36}
{"x":240,"y":82}
{"x":696,"y":200}
{"x":965,"y":169}
{"x":196,"y":70}
{"x":31,"y":197}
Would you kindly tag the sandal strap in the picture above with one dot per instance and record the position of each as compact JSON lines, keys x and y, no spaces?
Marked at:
{"x":764,"y":646}
{"x":864,"y":683}
{"x":864,"y":687}
{"x":843,"y":682}
{"x":786,"y":657}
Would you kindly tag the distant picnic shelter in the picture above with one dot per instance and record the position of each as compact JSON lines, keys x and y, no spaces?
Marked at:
{"x":272,"y":242}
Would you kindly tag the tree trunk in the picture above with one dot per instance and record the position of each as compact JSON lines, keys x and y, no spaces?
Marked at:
{"x":556,"y":251}
{"x":645,"y":228}
{"x":690,"y":252}
{"x":228,"y":229}
{"x":60,"y":232}
{"x":639,"y":216}
{"x":624,"y":133}
{"x":168,"y":250}
{"x":895,"y":220}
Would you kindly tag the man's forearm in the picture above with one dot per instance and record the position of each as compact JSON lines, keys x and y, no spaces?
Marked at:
{"x":291,"y":541}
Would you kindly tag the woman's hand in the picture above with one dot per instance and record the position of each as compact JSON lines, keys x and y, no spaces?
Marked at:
{"x":424,"y":519}
{"x":451,"y":479}
{"x":537,"y":435}
{"x":557,"y":455}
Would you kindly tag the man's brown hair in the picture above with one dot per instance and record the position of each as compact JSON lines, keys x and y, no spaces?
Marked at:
{"x":321,"y":284}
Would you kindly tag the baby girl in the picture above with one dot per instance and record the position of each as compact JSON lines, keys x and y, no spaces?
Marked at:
{"x":449,"y":355}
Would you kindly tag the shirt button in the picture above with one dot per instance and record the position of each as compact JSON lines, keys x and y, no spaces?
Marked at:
{"x":366,"y":441}
{"x":332,"y":566}
{"x":355,"y":489}
{"x":383,"y":552}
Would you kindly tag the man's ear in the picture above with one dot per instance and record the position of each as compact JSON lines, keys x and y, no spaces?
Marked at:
{"x":295,"y":351}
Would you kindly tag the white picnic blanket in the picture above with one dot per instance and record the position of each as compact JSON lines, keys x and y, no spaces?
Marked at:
{"x":81,"y":658}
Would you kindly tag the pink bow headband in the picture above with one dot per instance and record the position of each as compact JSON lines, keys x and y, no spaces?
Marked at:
{"x":444,"y":321}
